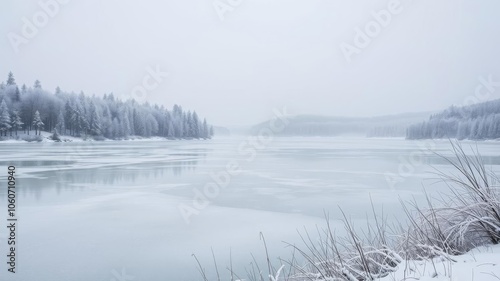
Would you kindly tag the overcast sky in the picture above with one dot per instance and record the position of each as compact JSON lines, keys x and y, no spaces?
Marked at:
{"x":264,"y":54}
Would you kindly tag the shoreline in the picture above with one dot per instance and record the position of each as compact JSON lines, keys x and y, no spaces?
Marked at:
{"x":47,"y":137}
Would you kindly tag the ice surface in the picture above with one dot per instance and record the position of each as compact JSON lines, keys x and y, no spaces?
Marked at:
{"x":88,"y":210}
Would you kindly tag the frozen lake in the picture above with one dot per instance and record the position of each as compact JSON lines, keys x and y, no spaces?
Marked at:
{"x":91,"y":210}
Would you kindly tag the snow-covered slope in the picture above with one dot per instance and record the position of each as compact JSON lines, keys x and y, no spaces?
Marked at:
{"x":480,"y":264}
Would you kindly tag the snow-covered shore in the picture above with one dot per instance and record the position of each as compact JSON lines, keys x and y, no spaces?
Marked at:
{"x":480,"y":264}
{"x":47,"y":137}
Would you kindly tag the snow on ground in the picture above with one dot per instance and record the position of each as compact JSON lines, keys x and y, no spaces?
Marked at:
{"x":47,"y":137}
{"x":481,"y":264}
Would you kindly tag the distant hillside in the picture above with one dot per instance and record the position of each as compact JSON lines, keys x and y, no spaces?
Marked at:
{"x":380,"y":126}
{"x":475,"y":122}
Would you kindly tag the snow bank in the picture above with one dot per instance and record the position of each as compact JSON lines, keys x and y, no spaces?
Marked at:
{"x":480,"y":264}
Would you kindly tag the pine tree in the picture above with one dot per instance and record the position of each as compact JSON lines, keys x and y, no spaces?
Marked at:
{"x":185,"y":126}
{"x":68,"y":114}
{"x":78,"y":119}
{"x":189,"y":125}
{"x":10,"y":79}
{"x":61,"y":124}
{"x":196,"y":125}
{"x":126,"y":126}
{"x":77,"y":114}
{"x":138,"y":123}
{"x":16,"y":121}
{"x":171,"y":131}
{"x":115,"y":125}
{"x":95,"y":121}
{"x":17,"y":95}
{"x":5,"y":124}
{"x":205,"y":129}
{"x":37,"y":123}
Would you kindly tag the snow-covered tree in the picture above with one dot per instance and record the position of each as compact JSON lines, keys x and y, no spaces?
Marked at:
{"x":171,"y":131}
{"x":78,"y":114}
{"x":205,"y":130}
{"x":478,"y":121}
{"x":125,"y":125}
{"x":196,"y":125}
{"x":37,"y":123}
{"x":5,"y":123}
{"x":37,"y":84}
{"x":78,"y":120}
{"x":16,"y":122}
{"x":10,"y":79}
{"x":95,"y":121}
{"x":115,"y":129}
{"x":16,"y":97}
{"x":61,"y":124}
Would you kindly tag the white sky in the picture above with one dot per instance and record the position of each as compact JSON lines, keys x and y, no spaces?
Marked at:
{"x":265,"y":54}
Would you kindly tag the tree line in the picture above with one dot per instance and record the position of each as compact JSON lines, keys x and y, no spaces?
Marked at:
{"x":34,"y":109}
{"x":475,"y":122}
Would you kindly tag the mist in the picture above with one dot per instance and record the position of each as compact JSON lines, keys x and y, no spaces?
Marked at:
{"x":235,"y":61}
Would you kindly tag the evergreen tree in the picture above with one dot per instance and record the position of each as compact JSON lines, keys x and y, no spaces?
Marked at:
{"x":196,"y":125}
{"x":475,"y":122}
{"x":37,"y":123}
{"x":115,"y":125}
{"x":171,"y":131}
{"x":17,"y":123}
{"x":61,"y":124}
{"x":95,"y":121}
{"x":10,"y":79}
{"x":5,"y":124}
{"x":138,"y":123}
{"x":189,"y":125}
{"x":78,"y":120}
{"x":77,"y":114}
{"x":126,"y":131}
{"x":37,"y":85}
{"x":68,"y":114}
{"x":17,"y":95}
{"x":205,"y":130}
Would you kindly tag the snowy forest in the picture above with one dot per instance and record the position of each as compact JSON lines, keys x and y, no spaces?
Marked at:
{"x":475,"y":122}
{"x":33,"y":109}
{"x":390,"y":131}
